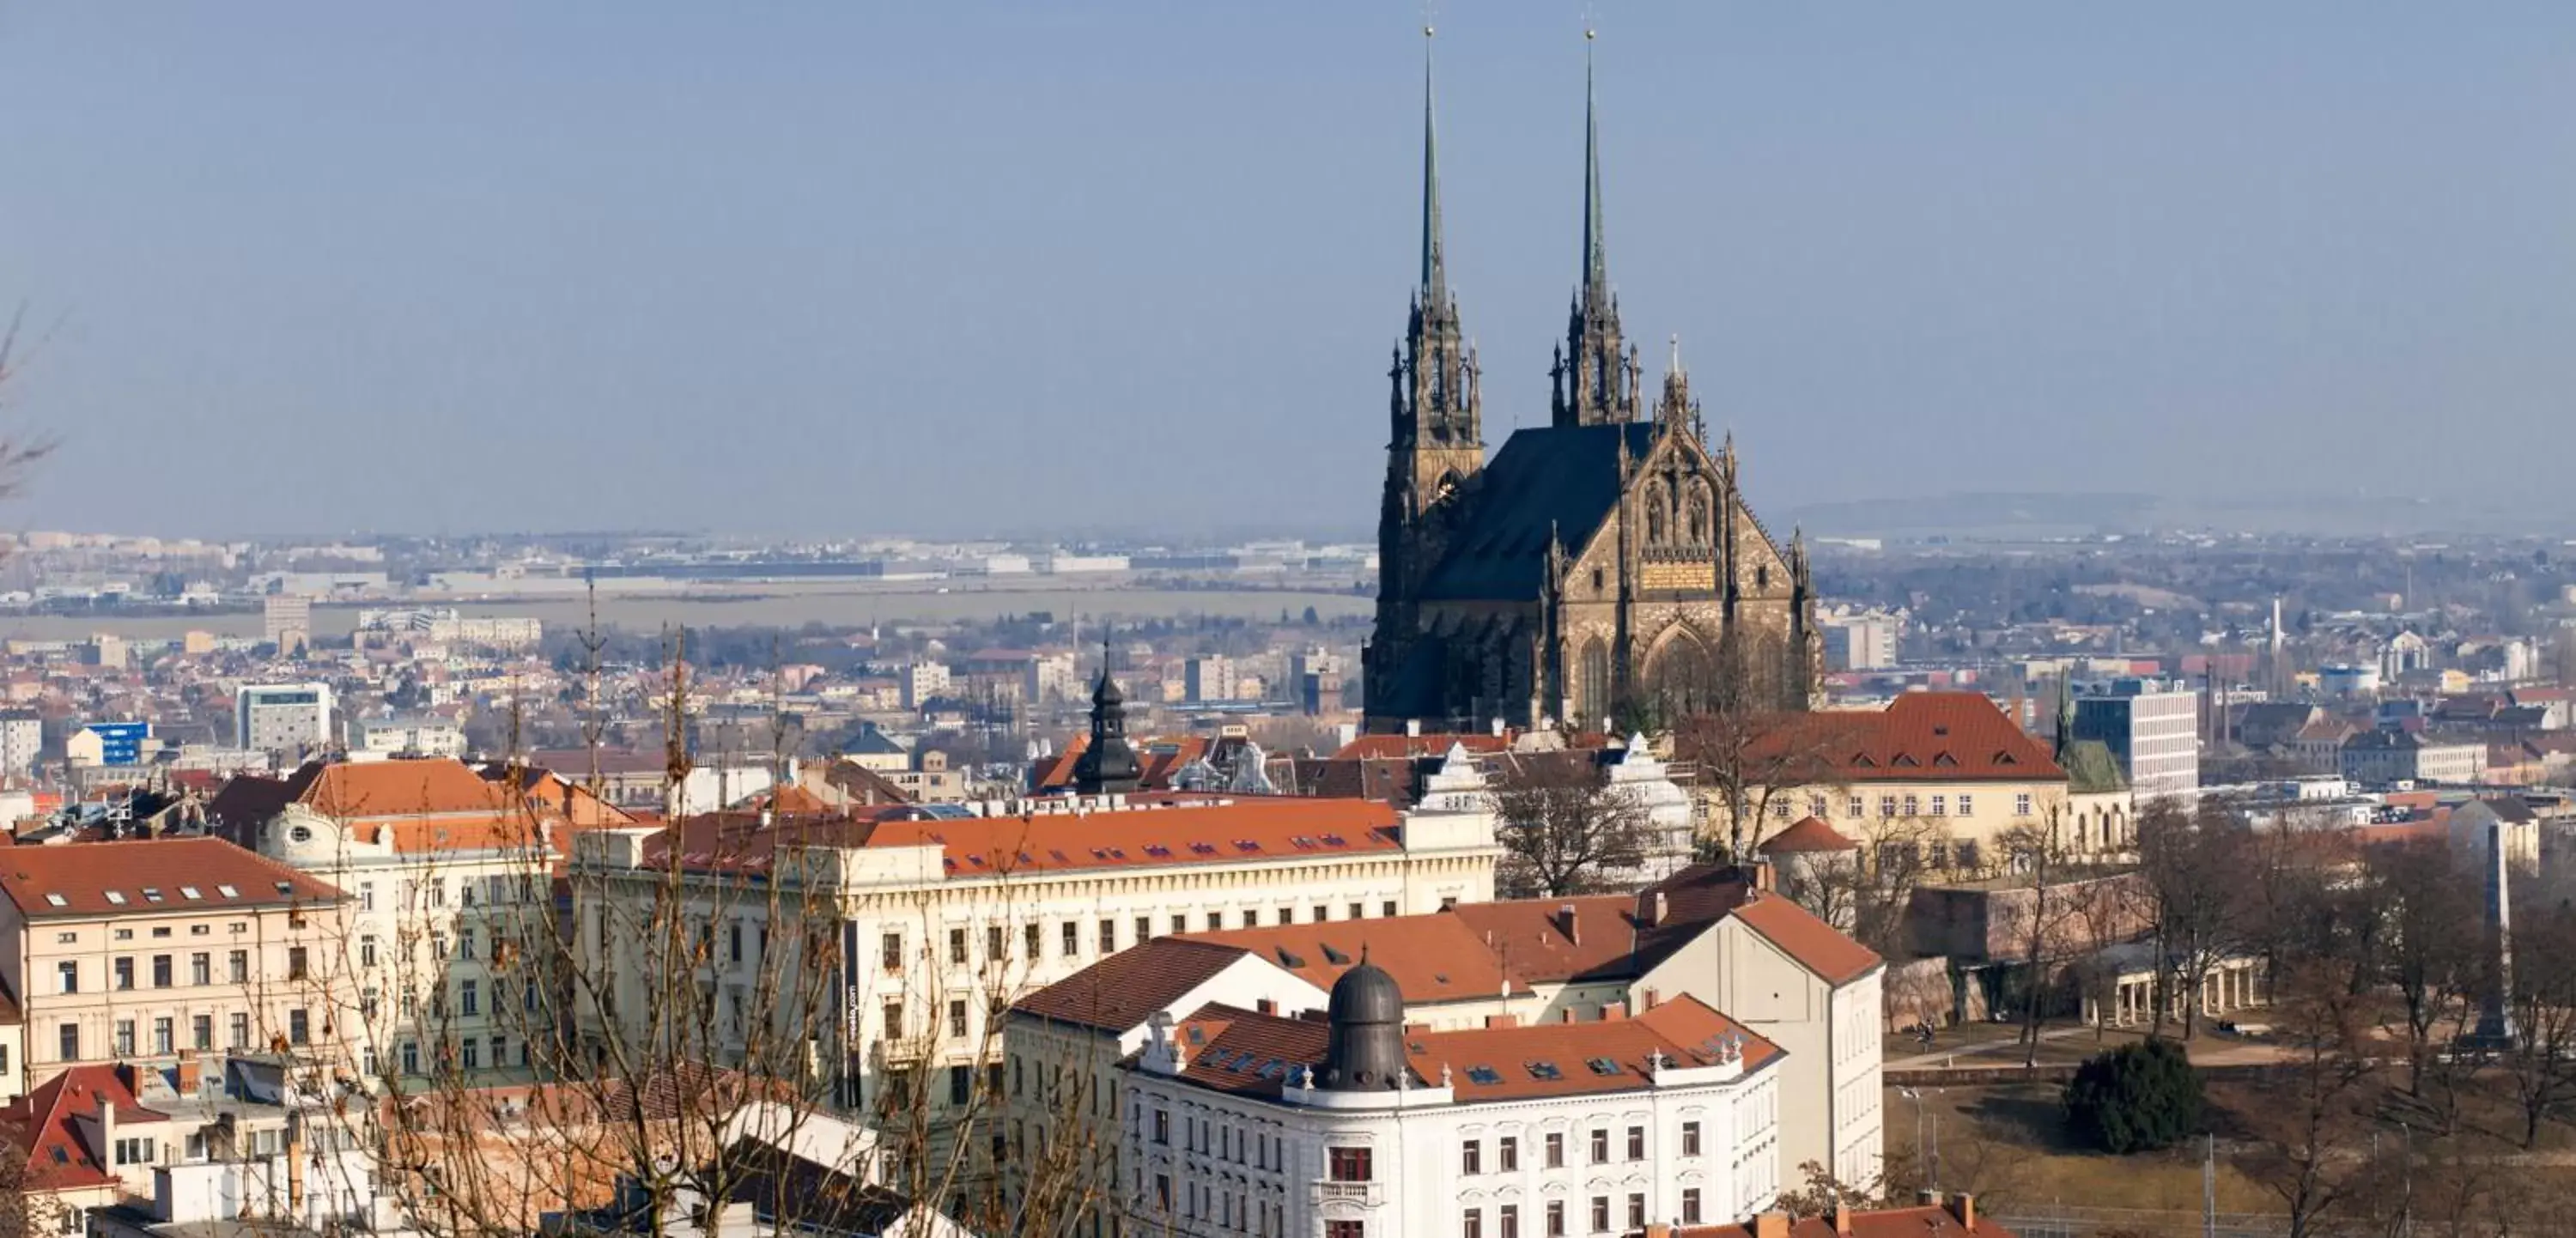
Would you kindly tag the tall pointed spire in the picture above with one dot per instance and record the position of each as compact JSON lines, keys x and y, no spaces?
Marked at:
{"x":1435,"y":274}
{"x":1594,"y":373}
{"x":1596,"y":261}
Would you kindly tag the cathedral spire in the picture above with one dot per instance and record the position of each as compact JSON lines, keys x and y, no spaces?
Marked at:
{"x":1596,"y":261}
{"x":1594,"y":376}
{"x":1435,"y":273}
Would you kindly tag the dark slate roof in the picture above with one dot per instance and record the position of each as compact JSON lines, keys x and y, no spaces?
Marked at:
{"x":1564,"y":478}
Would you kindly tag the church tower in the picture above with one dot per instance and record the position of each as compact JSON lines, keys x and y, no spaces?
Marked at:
{"x":1595,"y":372}
{"x":1436,"y":410}
{"x":1109,"y":765}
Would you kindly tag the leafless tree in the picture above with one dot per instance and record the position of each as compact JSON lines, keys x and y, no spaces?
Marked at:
{"x":2308,"y":1142}
{"x":1565,"y":830}
{"x":2193,"y":865}
{"x":2041,"y":924}
{"x":681,"y":1017}
{"x":19,"y":450}
{"x":1758,"y":767}
{"x":2427,"y":949}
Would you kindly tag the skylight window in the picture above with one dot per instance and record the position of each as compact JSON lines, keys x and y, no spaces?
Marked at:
{"x":57,"y":900}
{"x":117,"y":897}
{"x":191,"y":892}
{"x":1485,"y":1075}
{"x":151,"y":894}
{"x":1545,"y":1070}
{"x":227,"y":890}
{"x":1602,"y":1065}
{"x":286,"y":887}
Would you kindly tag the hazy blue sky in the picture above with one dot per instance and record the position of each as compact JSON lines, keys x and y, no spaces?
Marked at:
{"x":832,"y":267}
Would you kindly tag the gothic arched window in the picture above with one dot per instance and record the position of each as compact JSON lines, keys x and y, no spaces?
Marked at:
{"x":1592,"y":683}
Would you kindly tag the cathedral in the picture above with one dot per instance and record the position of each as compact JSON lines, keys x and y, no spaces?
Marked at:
{"x":1601,"y":568}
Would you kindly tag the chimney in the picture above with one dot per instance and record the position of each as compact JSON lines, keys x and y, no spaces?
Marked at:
{"x":106,"y":1128}
{"x":1763,"y":876}
{"x":189,"y":1072}
{"x":1413,"y":728}
{"x":1657,"y":907}
{"x":1565,"y":921}
{"x":1964,"y":1206}
{"x":1842,"y":1217}
{"x":1773,"y":1224}
{"x":1498,"y":728}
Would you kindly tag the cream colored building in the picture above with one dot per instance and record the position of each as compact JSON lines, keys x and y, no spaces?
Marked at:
{"x":449,"y":874}
{"x":133,"y":951}
{"x":943,"y":920}
{"x":1706,"y":933}
{"x":1947,"y":771}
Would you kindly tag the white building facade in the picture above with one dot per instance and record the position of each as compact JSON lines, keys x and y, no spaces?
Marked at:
{"x":1239,"y":1123}
{"x":290,"y":719}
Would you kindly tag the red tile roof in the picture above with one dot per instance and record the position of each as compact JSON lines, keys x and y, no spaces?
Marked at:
{"x":45,"y":1123}
{"x":1808,"y":835}
{"x":1919,"y":737}
{"x":1121,"y":991}
{"x":1237,"y":1051}
{"x":150,"y":877}
{"x":1177,"y":828}
{"x":1926,"y":1221}
{"x":1434,"y":958}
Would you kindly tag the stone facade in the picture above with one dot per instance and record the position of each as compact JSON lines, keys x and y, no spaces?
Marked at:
{"x":1602,"y":566}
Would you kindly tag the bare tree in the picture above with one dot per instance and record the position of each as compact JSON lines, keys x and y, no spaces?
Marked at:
{"x":19,"y":452}
{"x":2428,"y":949}
{"x":2041,"y":924}
{"x":2193,"y":865}
{"x":1565,"y":830}
{"x":1758,"y":766}
{"x":684,"y":1021}
{"x":2307,"y":1138}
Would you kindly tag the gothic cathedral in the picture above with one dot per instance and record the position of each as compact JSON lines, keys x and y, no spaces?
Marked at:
{"x":1603,"y":567}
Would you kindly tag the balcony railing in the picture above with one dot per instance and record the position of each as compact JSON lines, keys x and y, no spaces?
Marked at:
{"x":1367,"y":1194}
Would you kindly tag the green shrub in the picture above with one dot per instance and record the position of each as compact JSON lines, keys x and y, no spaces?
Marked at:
{"x":2135,"y":1098}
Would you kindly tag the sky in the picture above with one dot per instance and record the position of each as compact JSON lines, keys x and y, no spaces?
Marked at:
{"x":963,"y":268}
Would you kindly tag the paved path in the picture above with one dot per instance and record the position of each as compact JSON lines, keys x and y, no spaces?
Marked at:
{"x":2001,"y":1048}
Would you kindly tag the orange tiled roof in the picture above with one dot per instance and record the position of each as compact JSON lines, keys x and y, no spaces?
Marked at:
{"x":1919,"y":737}
{"x":1924,"y":1221}
{"x":1175,"y":829}
{"x":1120,"y":991}
{"x":410,"y":787}
{"x":1436,"y":957}
{"x":150,"y":877}
{"x":1809,"y":834}
{"x":46,"y":1120}
{"x":1237,"y":1051}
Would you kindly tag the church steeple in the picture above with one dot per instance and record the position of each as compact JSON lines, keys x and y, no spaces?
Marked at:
{"x":1435,"y":440}
{"x":1596,"y":373}
{"x":1435,"y":273}
{"x":1437,"y":404}
{"x":1109,"y":763}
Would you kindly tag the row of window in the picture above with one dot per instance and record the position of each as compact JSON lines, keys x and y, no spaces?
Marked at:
{"x":892,"y":955}
{"x":165,"y":1030}
{"x":499,"y":889}
{"x":1471,"y":1223}
{"x":1507,"y":1149}
{"x":1910,"y":804}
{"x":201,"y":970}
{"x":69,"y":937}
